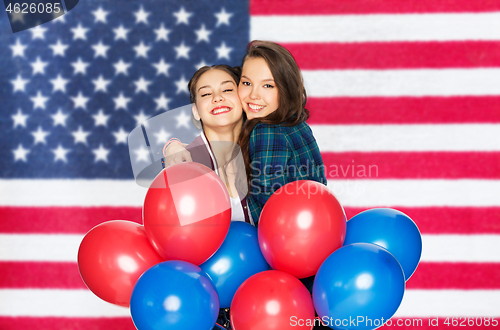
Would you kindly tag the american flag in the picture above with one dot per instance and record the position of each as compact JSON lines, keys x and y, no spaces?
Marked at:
{"x":405,"y":105}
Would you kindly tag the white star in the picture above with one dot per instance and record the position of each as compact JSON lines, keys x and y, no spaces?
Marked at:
{"x":60,"y":154}
{"x":223,"y":51}
{"x":20,"y":153}
{"x":38,"y":66}
{"x":121,"y":33}
{"x":203,"y":34}
{"x":101,"y":154}
{"x":80,"y":66}
{"x":162,"y":136}
{"x":200,"y":65}
{"x":100,"y":15}
{"x":14,"y":17}
{"x":59,"y":118}
{"x":182,"y":16}
{"x":100,"y":49}
{"x":59,"y":19}
{"x":38,"y":32}
{"x":39,"y":101}
{"x":80,"y":135}
{"x":121,"y":67}
{"x":100,"y":119}
{"x":162,"y":33}
{"x":19,"y":83}
{"x":80,"y":101}
{"x":182,"y":51}
{"x":121,"y":101}
{"x":19,"y":119}
{"x":59,"y":48}
{"x":182,"y":86}
{"x":142,"y":154}
{"x":161,"y":67}
{"x":40,"y":135}
{"x":141,"y":16}
{"x":121,"y":136}
{"x":142,"y":85}
{"x":101,"y":84}
{"x":18,"y":49}
{"x":141,"y":50}
{"x":182,"y":120}
{"x":79,"y":32}
{"x":162,"y":102}
{"x":141,"y":118}
{"x":59,"y":84}
{"x":223,"y":17}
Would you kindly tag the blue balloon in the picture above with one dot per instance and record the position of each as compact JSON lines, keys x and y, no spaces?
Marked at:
{"x":392,"y":230}
{"x":174,"y":295}
{"x":238,"y":258}
{"x":359,"y":286}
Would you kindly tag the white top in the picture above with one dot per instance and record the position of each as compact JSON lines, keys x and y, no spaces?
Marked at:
{"x":236,"y":210}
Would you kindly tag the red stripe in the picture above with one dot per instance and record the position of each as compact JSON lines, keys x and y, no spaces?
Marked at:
{"x":395,"y":55}
{"x":404,"y":110}
{"x":412,"y":165}
{"x":325,"y":7}
{"x":73,"y":323}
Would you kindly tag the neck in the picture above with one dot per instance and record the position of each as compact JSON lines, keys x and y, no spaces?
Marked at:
{"x":223,"y":140}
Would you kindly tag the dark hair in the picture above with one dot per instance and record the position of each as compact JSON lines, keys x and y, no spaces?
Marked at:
{"x":235,"y":73}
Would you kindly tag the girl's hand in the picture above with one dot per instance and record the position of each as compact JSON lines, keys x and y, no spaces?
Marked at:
{"x":176,"y":153}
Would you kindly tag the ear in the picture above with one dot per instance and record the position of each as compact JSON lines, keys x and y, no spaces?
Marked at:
{"x":196,"y":115}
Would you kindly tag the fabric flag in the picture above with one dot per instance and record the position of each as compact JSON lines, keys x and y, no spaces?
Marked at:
{"x":405,"y":105}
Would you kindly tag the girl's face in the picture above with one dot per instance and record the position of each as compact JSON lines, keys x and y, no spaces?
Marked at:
{"x":257,"y":89}
{"x":217,"y":102}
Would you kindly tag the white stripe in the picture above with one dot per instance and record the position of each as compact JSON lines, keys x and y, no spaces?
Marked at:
{"x":362,"y":28}
{"x":372,"y":138}
{"x":422,"y":82}
{"x":64,"y":248}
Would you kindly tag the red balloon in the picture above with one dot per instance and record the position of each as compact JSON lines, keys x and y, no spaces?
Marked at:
{"x":272,"y":300}
{"x":301,"y":224}
{"x":111,"y":258}
{"x":187,"y":213}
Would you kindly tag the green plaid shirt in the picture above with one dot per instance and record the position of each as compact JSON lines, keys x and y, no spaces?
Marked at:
{"x":281,"y":154}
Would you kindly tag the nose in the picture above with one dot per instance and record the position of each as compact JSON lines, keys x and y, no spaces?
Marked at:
{"x":254,"y":94}
{"x":217,"y":98}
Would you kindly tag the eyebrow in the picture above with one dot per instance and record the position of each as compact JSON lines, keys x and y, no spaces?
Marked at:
{"x":269,"y":79}
{"x":222,"y":83}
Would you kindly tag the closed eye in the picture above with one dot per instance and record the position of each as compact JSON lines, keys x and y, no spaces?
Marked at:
{"x":205,"y":94}
{"x":228,"y":90}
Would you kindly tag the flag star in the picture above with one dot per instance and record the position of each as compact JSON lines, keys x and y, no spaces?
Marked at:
{"x":80,"y":66}
{"x":58,"y":17}
{"x":79,"y":32}
{"x":182,"y":16}
{"x":60,"y":154}
{"x":59,"y":48}
{"x":80,"y":136}
{"x":141,"y":16}
{"x":162,"y":33}
{"x":200,"y":65}
{"x":80,"y":101}
{"x":182,"y":51}
{"x":121,"y":33}
{"x":19,"y":83}
{"x":38,"y":32}
{"x":182,"y":86}
{"x":161,"y":67}
{"x":141,"y":154}
{"x":100,"y":49}
{"x":223,"y":17}
{"x":203,"y":34}
{"x":121,"y":136}
{"x":39,"y":100}
{"x":141,"y":118}
{"x":142,"y":85}
{"x":38,"y":66}
{"x":59,"y":118}
{"x":101,"y":84}
{"x":141,"y":50}
{"x":18,"y":49}
{"x":101,"y":154}
{"x":19,"y":119}
{"x":223,"y":51}
{"x":121,"y":101}
{"x":183,"y":120}
{"x":20,"y":153}
{"x":162,"y":102}
{"x":59,"y":84}
{"x":14,"y":17}
{"x":100,"y":119}
{"x":162,"y":136}
{"x":121,"y":67}
{"x":100,"y":15}
{"x":40,"y":135}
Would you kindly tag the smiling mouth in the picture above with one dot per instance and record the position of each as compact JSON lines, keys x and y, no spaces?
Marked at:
{"x":255,"y":107}
{"x":219,"y":110}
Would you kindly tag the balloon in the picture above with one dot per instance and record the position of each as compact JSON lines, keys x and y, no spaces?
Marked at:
{"x":238,"y":258}
{"x":112,"y":256}
{"x":392,"y":230}
{"x":174,"y":295}
{"x":272,"y":300}
{"x":187,"y":212}
{"x":301,"y":224}
{"x":361,"y":282}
